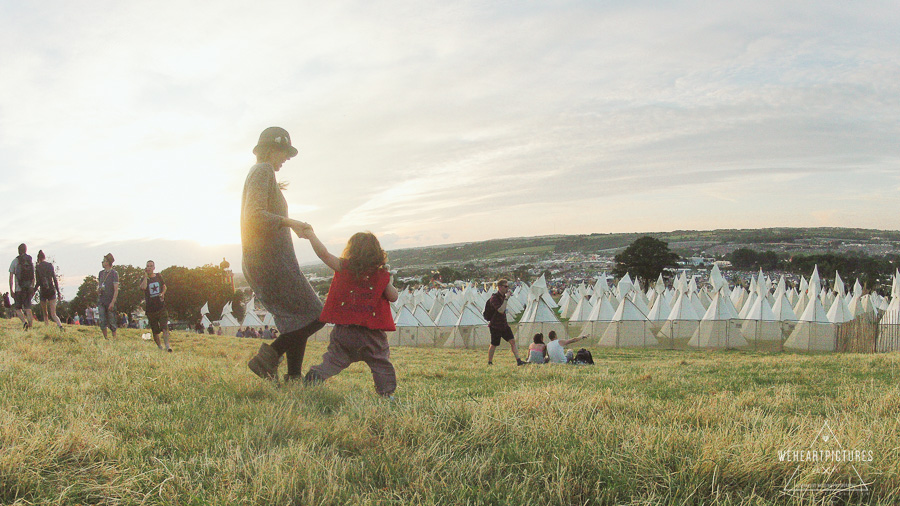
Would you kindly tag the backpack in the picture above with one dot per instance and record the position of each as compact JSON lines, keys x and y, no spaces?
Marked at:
{"x":26,"y":271}
{"x":584,"y":356}
{"x":489,"y":311}
{"x":46,"y":282}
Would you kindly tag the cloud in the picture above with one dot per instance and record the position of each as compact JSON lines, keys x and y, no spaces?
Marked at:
{"x":424,"y":122}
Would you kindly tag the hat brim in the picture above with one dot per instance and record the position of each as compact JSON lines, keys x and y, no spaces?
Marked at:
{"x":290,"y":149}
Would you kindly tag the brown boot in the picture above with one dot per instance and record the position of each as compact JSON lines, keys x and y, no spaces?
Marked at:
{"x":265,"y":363}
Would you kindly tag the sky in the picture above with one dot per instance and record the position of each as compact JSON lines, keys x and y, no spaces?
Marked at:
{"x":127,"y":127}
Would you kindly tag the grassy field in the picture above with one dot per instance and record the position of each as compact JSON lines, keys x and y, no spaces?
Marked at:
{"x":85,"y":420}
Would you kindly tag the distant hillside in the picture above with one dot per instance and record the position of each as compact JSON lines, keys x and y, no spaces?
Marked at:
{"x":684,"y":241}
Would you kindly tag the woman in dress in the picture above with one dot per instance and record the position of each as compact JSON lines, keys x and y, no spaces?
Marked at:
{"x":269,"y":262}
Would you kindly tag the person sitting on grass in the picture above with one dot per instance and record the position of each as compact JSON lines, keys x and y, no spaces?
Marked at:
{"x":358,"y":303}
{"x":555,"y":348}
{"x":537,"y":351}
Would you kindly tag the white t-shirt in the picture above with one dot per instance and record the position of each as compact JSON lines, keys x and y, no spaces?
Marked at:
{"x":556,"y":352}
{"x":14,"y":270}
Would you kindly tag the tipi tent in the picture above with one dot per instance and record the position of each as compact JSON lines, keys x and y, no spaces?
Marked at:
{"x":629,"y":327}
{"x":251,"y":320}
{"x":682,"y":321}
{"x":601,"y":314}
{"x":541,"y":319}
{"x":718,"y":329}
{"x":813,"y":332}
{"x":582,"y":311}
{"x":471,"y":330}
{"x":410,"y":331}
{"x":759,"y":322}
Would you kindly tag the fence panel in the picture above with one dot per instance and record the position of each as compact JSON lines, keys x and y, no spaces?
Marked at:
{"x":866,"y":334}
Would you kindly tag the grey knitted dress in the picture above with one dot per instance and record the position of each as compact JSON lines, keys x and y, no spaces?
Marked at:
{"x":269,"y":262}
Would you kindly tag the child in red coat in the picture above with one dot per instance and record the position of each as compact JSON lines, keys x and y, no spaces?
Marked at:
{"x":358,"y":304}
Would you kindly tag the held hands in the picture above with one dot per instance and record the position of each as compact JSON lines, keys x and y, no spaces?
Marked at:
{"x":302,"y":229}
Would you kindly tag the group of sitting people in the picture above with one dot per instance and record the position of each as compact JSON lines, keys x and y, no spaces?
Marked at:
{"x":267,"y":333}
{"x":554,"y":353}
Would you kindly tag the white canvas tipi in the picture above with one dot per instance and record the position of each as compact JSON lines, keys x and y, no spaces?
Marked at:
{"x":582,"y":311}
{"x":813,"y":332}
{"x":839,"y":311}
{"x":471,"y":330}
{"x":629,"y":327}
{"x":717,"y":328}
{"x":542,"y":319}
{"x":601,"y":314}
{"x":682,"y":320}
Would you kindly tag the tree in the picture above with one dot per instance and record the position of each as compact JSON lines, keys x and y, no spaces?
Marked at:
{"x":130,"y":294}
{"x":449,"y":274}
{"x":646,"y":258}
{"x":748,"y":259}
{"x":521,"y":273}
{"x":188,"y":289}
{"x":85,"y":296}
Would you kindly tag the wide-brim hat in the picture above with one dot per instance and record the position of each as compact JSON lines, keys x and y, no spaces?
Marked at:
{"x":275,"y":137}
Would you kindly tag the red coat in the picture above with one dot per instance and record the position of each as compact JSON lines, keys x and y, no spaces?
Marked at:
{"x":353,"y":301}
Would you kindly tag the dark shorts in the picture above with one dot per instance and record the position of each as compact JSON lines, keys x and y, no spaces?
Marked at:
{"x":505,"y":333}
{"x":22,"y":299}
{"x":159,"y":320}
{"x":48,"y":294}
{"x":107,"y":317}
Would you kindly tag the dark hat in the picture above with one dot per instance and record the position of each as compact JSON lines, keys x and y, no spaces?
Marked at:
{"x":276,"y":137}
{"x":109,"y":258}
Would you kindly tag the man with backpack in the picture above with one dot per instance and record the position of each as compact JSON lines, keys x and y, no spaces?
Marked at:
{"x":495,"y":314}
{"x":21,"y":284}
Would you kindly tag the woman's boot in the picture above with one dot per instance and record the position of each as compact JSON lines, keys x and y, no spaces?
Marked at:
{"x":265,"y":363}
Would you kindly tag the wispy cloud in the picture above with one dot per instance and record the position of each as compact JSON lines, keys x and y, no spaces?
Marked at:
{"x":434,"y":122}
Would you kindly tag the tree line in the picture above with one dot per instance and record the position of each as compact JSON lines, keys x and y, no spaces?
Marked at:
{"x":188,"y":289}
{"x":873,"y":272}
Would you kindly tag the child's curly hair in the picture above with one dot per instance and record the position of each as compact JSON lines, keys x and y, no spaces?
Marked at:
{"x":364,"y":254}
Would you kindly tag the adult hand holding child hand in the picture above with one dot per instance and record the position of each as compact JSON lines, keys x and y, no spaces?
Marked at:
{"x":301,"y":228}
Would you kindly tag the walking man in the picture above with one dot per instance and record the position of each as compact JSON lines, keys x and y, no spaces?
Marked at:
{"x":155,"y":296}
{"x":108,"y":281}
{"x":498,"y":325}
{"x":21,"y":285}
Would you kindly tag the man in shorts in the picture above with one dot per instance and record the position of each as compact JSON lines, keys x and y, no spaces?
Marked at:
{"x":21,"y":285}
{"x":108,"y":290}
{"x":498,"y":325}
{"x":155,"y":296}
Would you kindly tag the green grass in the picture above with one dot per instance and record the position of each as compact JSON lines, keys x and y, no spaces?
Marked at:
{"x":85,"y":420}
